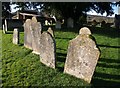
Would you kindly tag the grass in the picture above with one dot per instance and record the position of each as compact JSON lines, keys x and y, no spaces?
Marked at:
{"x":20,"y":67}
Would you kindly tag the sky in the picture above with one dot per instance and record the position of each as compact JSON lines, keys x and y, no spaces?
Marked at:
{"x":92,"y":12}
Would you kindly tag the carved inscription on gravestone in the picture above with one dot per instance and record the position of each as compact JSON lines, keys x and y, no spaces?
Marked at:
{"x":47,"y":50}
{"x":82,"y":56}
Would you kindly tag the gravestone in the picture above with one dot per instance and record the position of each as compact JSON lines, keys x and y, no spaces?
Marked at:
{"x":103,"y":24}
{"x":27,"y":34}
{"x":3,"y":27}
{"x":47,"y":50}
{"x":46,"y":22}
{"x":6,"y":26}
{"x":70,"y":23}
{"x":82,"y":56}
{"x":117,"y":21}
{"x":50,"y":31}
{"x":16,"y":36}
{"x":36,"y":34}
{"x":58,"y":25}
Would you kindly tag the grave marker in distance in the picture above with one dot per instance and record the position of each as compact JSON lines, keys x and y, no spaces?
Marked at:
{"x":16,"y":36}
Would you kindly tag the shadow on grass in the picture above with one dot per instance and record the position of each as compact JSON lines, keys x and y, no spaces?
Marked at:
{"x":63,"y":38}
{"x":21,"y":44}
{"x":109,"y":60}
{"x":61,"y":57}
{"x":27,"y":53}
{"x":98,"y":81}
{"x":106,"y":31}
{"x":9,"y":32}
{"x":103,"y":80}
{"x":106,"y":76}
{"x":106,"y":65}
{"x":61,"y":49}
{"x":61,"y":69}
{"x":61,"y":54}
{"x":108,"y":46}
{"x":110,"y":32}
{"x":109,"y":63}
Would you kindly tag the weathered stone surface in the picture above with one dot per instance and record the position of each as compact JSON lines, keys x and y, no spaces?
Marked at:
{"x":27,"y":34}
{"x":70,"y":23}
{"x":84,"y":31}
{"x":6,"y":26}
{"x":50,"y":31}
{"x":3,"y":27}
{"x":16,"y":36}
{"x":36,"y":34}
{"x":82,"y":56}
{"x":47,"y":50}
{"x":46,"y":22}
{"x":58,"y":25}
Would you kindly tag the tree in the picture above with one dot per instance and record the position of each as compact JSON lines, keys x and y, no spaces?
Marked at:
{"x":5,"y":9}
{"x":28,"y":5}
{"x":66,"y":9}
{"x":76,"y":9}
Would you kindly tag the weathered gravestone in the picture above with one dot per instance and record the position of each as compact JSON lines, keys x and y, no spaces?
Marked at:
{"x":58,"y":25}
{"x":6,"y":25}
{"x":46,"y":22}
{"x":16,"y":36}
{"x":36,"y":34}
{"x":27,"y":34}
{"x":3,"y":27}
{"x":50,"y":31}
{"x":47,"y":50}
{"x":82,"y":56}
{"x":70,"y":23}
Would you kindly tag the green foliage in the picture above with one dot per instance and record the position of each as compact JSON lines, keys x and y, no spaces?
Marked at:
{"x":20,"y":67}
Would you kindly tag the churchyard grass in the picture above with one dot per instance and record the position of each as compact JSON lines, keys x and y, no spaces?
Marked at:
{"x":20,"y":67}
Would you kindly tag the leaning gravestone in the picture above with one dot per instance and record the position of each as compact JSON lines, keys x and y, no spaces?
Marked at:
{"x":47,"y":50}
{"x":27,"y":34}
{"x":16,"y":36}
{"x":58,"y":25}
{"x":50,"y":31}
{"x":36,"y":34}
{"x":82,"y":56}
{"x":70,"y":23}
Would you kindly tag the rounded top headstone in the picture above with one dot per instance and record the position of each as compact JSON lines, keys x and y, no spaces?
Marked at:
{"x":84,"y":31}
{"x":34,"y":19}
{"x":50,"y":31}
{"x":28,"y":20}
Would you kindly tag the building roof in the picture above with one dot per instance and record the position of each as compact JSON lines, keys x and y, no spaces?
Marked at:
{"x":28,"y":14}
